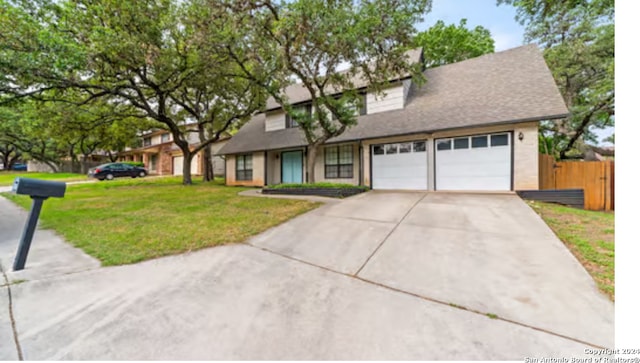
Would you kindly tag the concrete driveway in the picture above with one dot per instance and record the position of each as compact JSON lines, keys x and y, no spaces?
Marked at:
{"x":377,"y":276}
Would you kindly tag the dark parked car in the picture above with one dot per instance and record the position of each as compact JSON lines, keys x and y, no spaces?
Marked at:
{"x":19,"y":167}
{"x":116,"y":170}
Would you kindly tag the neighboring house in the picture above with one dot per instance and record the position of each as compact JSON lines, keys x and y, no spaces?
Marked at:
{"x":162,"y":157}
{"x":472,"y":126}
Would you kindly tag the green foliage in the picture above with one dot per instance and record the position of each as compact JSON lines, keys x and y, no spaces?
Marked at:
{"x":318,"y":185}
{"x":150,"y":60}
{"x":445,"y":44}
{"x":578,"y":41}
{"x":308,"y":42}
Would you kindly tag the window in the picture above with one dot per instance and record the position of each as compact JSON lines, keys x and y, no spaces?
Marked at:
{"x":499,"y":140}
{"x":362,"y":98}
{"x":405,"y":148}
{"x":378,"y":149}
{"x":244,"y":167}
{"x":338,"y":162}
{"x":164,"y":137}
{"x":306,"y":108}
{"x":478,"y":141}
{"x":461,"y":143}
{"x":443,"y":145}
{"x":146,"y":141}
{"x":153,"y":162}
{"x":419,"y":146}
{"x":391,"y":149}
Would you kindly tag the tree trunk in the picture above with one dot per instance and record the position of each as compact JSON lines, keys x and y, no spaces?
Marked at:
{"x":112,"y":157}
{"x":312,"y":153}
{"x":207,"y":166}
{"x":187,"y":156}
{"x":52,"y":165}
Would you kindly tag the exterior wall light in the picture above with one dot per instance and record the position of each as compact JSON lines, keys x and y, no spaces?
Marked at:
{"x":520,"y":136}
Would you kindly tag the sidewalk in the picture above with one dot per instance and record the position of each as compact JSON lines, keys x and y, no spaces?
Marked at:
{"x":49,"y":255}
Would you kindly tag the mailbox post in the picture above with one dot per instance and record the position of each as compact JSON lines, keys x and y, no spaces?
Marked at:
{"x":39,"y":191}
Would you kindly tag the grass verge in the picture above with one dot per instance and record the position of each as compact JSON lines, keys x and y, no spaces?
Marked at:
{"x":131,"y":220}
{"x":7,"y":177}
{"x":589,"y":235}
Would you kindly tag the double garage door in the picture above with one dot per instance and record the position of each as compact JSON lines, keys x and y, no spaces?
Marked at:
{"x":178,"y":163}
{"x":478,"y":162}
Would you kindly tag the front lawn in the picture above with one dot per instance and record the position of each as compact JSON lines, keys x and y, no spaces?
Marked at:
{"x":130,"y":220}
{"x":7,"y":177}
{"x":590,"y":237}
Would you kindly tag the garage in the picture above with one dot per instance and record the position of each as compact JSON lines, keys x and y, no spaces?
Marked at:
{"x":476,"y":162}
{"x":400,"y":165}
{"x":178,"y":163}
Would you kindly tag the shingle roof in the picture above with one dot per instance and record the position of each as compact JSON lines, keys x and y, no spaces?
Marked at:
{"x":298,"y":93}
{"x":506,"y":87}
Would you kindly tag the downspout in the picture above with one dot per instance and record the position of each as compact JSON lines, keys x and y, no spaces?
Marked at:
{"x":304,"y":164}
{"x":361,"y":168}
{"x":265,"y":169}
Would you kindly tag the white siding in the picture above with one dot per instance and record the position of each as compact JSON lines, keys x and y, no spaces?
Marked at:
{"x":392,"y":99}
{"x":275,"y":121}
{"x":407,"y":87}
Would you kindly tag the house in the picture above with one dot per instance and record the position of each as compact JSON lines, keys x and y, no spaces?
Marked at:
{"x":472,"y":126}
{"x":162,"y":157}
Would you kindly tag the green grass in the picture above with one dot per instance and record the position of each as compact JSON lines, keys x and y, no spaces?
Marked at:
{"x":131,"y":220}
{"x":318,"y":185}
{"x":7,"y":177}
{"x":590,"y":237}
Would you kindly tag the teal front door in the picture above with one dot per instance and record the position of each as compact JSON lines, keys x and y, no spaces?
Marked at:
{"x":292,"y":167}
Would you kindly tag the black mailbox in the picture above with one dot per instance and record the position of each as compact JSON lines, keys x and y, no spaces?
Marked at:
{"x":39,"y":188}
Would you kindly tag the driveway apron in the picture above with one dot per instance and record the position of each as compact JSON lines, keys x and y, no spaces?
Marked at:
{"x":488,"y":253}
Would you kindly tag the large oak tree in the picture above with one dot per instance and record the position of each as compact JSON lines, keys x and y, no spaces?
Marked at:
{"x":153,"y":56}
{"x":577,"y":37}
{"x":331,"y":48}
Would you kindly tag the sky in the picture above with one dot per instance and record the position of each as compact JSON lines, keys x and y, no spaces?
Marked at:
{"x":500,"y":20}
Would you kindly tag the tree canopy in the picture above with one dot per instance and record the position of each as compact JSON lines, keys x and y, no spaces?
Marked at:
{"x":577,"y":37}
{"x":153,"y":58}
{"x":445,"y":44}
{"x":326,"y":47}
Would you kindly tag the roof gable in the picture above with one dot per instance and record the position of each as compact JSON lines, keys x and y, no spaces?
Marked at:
{"x":505,"y":87}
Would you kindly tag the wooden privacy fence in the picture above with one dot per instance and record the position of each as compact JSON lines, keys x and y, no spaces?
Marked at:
{"x":596,"y":178}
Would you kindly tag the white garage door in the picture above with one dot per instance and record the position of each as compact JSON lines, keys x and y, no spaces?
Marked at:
{"x":399,"y":166}
{"x":178,"y":163}
{"x":479,"y":162}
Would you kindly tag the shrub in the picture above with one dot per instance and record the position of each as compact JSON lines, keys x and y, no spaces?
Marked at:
{"x":320,"y":185}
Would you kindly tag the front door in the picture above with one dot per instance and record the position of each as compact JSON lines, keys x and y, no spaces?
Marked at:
{"x":292,"y":167}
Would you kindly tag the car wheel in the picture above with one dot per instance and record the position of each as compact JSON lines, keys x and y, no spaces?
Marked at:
{"x":142,"y":174}
{"x":109,"y":176}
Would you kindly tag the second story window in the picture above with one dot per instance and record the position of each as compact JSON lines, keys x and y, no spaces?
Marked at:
{"x":290,"y":122}
{"x":146,"y":141}
{"x":165,"y":137}
{"x":360,"y":108}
